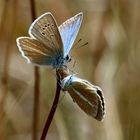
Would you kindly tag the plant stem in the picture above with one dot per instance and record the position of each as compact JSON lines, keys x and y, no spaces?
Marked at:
{"x":36,"y":102}
{"x":7,"y":56}
{"x":36,"y":85}
{"x":52,"y":111}
{"x":33,"y":11}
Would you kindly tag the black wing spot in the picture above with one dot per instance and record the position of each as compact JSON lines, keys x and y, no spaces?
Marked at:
{"x":43,"y":28}
{"x":47,"y":25}
{"x":52,"y":25}
{"x":43,"y":33}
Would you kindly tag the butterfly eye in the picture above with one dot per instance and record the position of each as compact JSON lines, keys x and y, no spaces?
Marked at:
{"x":67,"y":57}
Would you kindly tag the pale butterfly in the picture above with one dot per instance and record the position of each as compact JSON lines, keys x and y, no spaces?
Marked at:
{"x":87,"y":96}
{"x":49,"y":44}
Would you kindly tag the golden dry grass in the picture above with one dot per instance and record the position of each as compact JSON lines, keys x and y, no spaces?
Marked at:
{"x":111,"y":61}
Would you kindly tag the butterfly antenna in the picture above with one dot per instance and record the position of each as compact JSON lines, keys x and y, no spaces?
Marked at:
{"x":77,"y":42}
{"x":80,"y":45}
{"x":83,"y":45}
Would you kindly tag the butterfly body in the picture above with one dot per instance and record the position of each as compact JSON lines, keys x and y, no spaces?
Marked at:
{"x":60,"y":61}
{"x":49,"y":44}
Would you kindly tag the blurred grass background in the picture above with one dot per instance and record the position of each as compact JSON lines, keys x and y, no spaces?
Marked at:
{"x":110,"y":60}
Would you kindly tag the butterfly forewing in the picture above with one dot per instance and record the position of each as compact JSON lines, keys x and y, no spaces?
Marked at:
{"x":69,"y":30}
{"x":35,"y":51}
{"x":45,"y":30}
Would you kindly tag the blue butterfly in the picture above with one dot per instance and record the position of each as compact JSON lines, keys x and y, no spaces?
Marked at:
{"x":49,"y":44}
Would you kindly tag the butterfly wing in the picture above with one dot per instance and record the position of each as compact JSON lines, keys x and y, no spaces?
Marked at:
{"x":45,"y":30}
{"x":87,"y":96}
{"x":69,"y":30}
{"x":34,"y":51}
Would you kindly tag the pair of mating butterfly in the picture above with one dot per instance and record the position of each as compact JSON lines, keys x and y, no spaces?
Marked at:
{"x":49,"y":44}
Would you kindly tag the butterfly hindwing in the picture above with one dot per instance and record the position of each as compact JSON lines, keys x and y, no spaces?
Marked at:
{"x":35,"y":51}
{"x":69,"y":30}
{"x":45,"y":30}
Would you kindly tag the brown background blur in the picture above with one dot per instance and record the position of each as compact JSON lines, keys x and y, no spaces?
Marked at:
{"x":110,"y":60}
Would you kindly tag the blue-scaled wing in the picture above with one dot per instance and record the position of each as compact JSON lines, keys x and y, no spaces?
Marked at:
{"x":69,"y":30}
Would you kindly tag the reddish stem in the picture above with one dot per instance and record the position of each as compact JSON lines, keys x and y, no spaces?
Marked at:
{"x":52,"y":111}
